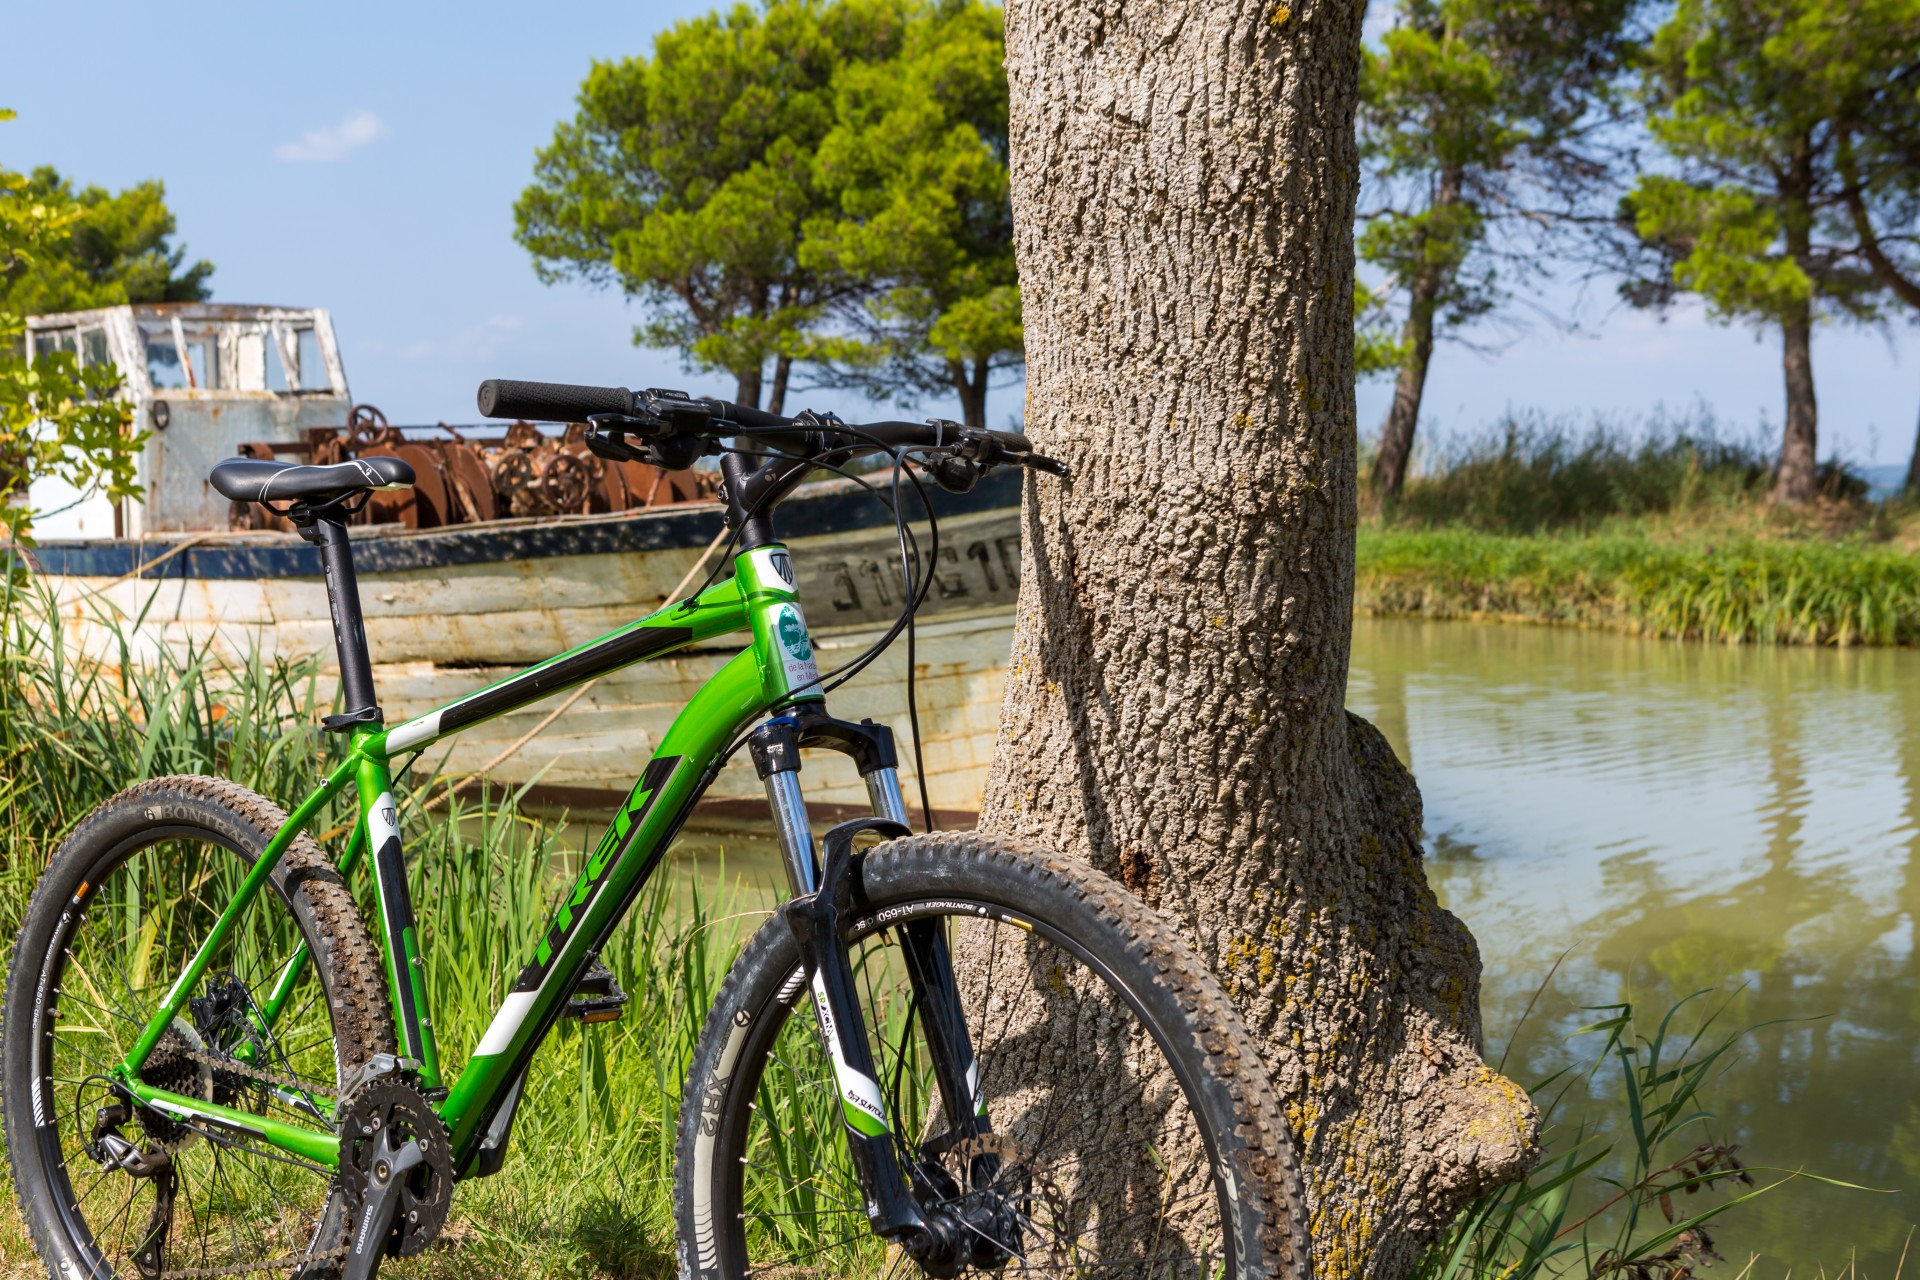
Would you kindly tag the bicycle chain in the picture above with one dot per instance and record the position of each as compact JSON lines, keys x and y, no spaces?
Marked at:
{"x":243,"y":1268}
{"x":235,"y":1066}
{"x":239,"y":1068}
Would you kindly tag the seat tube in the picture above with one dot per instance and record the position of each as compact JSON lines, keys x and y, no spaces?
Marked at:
{"x":349,"y":629}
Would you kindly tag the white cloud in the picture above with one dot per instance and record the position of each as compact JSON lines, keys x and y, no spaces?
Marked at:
{"x":335,"y":142}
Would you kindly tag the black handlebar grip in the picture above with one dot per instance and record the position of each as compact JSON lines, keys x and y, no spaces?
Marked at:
{"x":550,"y":401}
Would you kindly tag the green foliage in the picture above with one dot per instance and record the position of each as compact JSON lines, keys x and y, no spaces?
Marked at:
{"x":1748,"y":97}
{"x":1377,"y":346}
{"x":1481,"y":117}
{"x":57,"y":419}
{"x":115,"y":252}
{"x":686,"y":178}
{"x":1632,"y":1195}
{"x":817,"y":182}
{"x":1730,"y":590}
{"x":916,"y":165}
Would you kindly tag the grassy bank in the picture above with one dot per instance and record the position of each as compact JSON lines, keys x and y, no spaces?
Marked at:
{"x":586,"y":1191}
{"x":1664,"y":531}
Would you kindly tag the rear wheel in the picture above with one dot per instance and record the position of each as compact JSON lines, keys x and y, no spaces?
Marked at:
{"x":1134,"y":1132}
{"x":115,"y":918}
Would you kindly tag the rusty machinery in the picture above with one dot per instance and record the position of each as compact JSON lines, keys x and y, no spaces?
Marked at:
{"x":463,"y":479}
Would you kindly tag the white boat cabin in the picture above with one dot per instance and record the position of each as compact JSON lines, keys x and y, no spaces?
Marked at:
{"x":203,"y":378}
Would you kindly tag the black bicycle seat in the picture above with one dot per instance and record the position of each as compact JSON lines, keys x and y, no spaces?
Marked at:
{"x":259,"y":480}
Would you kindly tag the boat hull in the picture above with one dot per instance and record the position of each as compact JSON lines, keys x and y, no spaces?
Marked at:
{"x":448,"y":611}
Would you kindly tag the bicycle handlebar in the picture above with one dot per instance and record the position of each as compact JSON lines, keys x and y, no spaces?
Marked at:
{"x":550,"y":401}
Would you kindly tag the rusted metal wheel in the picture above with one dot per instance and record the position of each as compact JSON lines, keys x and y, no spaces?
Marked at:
{"x":516,"y":481}
{"x":471,"y":483}
{"x":565,"y":482}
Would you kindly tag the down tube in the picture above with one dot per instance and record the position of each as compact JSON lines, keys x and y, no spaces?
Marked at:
{"x":608,"y":881}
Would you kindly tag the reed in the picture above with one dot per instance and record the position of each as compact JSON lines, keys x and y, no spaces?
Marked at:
{"x":1530,"y":472}
{"x":1742,"y":590}
{"x":1635,"y":1188}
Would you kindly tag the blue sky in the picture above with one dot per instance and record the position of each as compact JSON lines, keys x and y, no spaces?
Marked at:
{"x":365,"y":157}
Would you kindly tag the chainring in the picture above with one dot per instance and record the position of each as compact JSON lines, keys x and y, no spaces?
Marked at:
{"x":377,"y":1120}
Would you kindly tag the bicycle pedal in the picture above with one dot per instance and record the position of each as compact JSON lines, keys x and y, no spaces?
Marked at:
{"x":596,"y":997}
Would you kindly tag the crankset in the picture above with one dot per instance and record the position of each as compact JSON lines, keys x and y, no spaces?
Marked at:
{"x":397,"y":1167}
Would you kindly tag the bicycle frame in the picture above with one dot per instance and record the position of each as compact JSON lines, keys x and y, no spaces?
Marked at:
{"x":776,"y":670}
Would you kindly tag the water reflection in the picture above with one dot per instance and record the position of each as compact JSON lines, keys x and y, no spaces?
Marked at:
{"x":1687,"y":817}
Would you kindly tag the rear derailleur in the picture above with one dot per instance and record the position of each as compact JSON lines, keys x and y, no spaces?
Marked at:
{"x":114,"y":1151}
{"x":396,"y":1166}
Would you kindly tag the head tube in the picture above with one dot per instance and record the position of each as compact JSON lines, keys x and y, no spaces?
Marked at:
{"x":768,"y":582}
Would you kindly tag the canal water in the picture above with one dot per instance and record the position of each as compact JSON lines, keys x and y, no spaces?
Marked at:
{"x":1682,"y":818}
{"x":1675,"y":819}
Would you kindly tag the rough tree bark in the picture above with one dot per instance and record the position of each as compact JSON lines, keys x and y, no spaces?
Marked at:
{"x":1410,"y":387}
{"x":1184,"y":179}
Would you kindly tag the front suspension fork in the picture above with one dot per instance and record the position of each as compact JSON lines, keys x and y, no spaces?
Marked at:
{"x":823,"y":896}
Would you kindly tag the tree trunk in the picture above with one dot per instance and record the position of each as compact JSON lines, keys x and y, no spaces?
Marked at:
{"x":1184,"y":182}
{"x":1396,"y":435}
{"x":1796,"y":480}
{"x":746,"y":387}
{"x":782,"y":370}
{"x":1913,"y":464}
{"x":971,"y":384}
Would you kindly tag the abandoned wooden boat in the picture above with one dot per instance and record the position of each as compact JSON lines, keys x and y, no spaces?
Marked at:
{"x":514,"y":546}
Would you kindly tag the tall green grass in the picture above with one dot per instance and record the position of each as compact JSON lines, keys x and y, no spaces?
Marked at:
{"x":1664,"y":531}
{"x":1738,"y":590}
{"x":1530,"y":472}
{"x":1638,"y":1192}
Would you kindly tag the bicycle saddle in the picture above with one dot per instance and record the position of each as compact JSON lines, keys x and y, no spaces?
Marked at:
{"x":259,"y":480}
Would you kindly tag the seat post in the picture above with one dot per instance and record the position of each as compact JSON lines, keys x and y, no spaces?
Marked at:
{"x":327,"y":529}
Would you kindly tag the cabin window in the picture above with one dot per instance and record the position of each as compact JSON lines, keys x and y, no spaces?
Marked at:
{"x":313,"y":367}
{"x":276,"y":366}
{"x":93,"y":347}
{"x":205,"y":354}
{"x":48,"y":341}
{"x":164,"y":369}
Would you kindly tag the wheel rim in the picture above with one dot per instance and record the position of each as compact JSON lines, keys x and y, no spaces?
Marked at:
{"x":1097,"y":1152}
{"x":117,"y":949}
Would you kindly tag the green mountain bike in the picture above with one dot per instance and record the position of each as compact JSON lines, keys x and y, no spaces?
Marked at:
{"x":944,"y":1052}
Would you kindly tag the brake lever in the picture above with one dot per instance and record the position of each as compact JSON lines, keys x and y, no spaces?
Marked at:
{"x":984,"y":450}
{"x":1040,"y":462}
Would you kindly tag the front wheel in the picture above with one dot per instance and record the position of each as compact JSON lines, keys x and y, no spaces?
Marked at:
{"x":1131,"y":1130}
